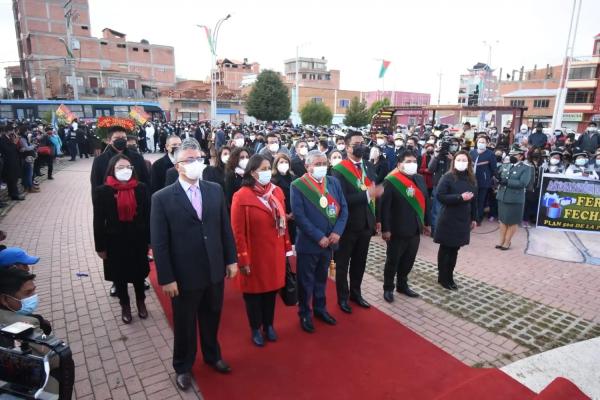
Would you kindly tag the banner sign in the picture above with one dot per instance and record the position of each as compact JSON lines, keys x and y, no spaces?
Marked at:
{"x":570,"y":204}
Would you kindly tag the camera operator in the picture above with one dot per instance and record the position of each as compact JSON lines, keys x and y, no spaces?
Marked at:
{"x":438,"y":166}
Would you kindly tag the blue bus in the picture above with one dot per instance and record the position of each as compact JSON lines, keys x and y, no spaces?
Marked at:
{"x":84,"y":109}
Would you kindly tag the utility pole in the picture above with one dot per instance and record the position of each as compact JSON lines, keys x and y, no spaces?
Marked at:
{"x":440,"y":74}
{"x":69,"y":44}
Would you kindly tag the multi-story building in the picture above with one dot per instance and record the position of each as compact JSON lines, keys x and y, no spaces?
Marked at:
{"x":312,"y":72}
{"x":407,"y":117}
{"x":231,"y":73}
{"x":15,"y":85}
{"x":110,"y":66}
{"x":479,"y":86}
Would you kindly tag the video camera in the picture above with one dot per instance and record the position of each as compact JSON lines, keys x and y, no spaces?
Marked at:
{"x":33,"y":365}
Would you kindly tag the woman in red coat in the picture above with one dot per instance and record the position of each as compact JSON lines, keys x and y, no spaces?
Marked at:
{"x":258,"y":220}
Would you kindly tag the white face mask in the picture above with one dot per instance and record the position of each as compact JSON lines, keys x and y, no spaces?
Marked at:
{"x":461,"y":165}
{"x":598,"y":161}
{"x":581,"y":162}
{"x":242,"y":163}
{"x":335,"y":161}
{"x":380,"y":142}
{"x":225,"y":158}
{"x":554,"y":161}
{"x":319,"y":172}
{"x":193,"y":171}
{"x":264,"y":177}
{"x":303,"y":151}
{"x":481,"y":146}
{"x":398,"y":143}
{"x":252,"y":137}
{"x":238,"y":142}
{"x":124,"y":174}
{"x":274,"y":147}
{"x":311,"y":145}
{"x":283,"y":167}
{"x":409,"y":168}
{"x":340,"y":147}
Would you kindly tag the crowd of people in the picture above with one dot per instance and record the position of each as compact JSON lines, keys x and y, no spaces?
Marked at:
{"x":237,"y":202}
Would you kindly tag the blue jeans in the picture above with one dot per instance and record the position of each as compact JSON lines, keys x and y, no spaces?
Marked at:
{"x":27,"y":178}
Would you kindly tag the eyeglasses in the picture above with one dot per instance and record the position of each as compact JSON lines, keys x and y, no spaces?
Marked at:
{"x":121,"y":167}
{"x":190,"y":160}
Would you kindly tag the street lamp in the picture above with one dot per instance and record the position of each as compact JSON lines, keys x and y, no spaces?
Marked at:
{"x":213,"y":37}
{"x":296,"y":97}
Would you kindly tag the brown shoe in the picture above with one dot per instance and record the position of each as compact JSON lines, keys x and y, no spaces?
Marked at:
{"x":142,"y":311}
{"x":126,"y":313}
{"x":34,"y":190}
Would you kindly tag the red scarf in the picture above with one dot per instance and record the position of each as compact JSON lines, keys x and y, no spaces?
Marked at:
{"x":126,"y":203}
{"x":277,"y":208}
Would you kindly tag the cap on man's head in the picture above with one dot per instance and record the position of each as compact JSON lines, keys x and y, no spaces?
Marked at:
{"x":16,"y":255}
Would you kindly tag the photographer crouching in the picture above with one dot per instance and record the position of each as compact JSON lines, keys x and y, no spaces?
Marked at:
{"x":35,"y":364}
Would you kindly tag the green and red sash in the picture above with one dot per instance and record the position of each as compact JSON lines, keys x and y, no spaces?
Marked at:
{"x":348,"y":170}
{"x":313,"y":194}
{"x":410,"y":191}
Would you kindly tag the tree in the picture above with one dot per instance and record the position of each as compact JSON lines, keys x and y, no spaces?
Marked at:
{"x":316,"y":114}
{"x":378,"y":105}
{"x":357,"y":113}
{"x":268,"y":100}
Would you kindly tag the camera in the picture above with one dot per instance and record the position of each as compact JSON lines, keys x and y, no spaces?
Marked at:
{"x":33,"y":365}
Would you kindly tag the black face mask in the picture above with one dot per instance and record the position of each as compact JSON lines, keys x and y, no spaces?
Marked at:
{"x":173,"y":150}
{"x":358,"y":150}
{"x":120,"y":144}
{"x":132,"y":148}
{"x":514,"y":160}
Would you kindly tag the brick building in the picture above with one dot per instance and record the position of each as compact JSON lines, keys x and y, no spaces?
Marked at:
{"x":312,"y":72}
{"x":231,"y":73}
{"x":479,"y":86}
{"x":106,"y":67}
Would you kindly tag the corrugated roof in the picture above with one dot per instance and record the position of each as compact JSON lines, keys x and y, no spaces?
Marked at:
{"x":532,"y":93}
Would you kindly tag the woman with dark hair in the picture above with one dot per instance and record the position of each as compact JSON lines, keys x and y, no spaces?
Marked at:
{"x":456,"y":191}
{"x":122,"y":232}
{"x":258,"y":219}
{"x":283,"y":177}
{"x":216,"y":173}
{"x":532,"y":193}
{"x":335,"y":157}
{"x":234,"y":171}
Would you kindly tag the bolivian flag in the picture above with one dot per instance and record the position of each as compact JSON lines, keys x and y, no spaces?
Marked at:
{"x":384,"y":66}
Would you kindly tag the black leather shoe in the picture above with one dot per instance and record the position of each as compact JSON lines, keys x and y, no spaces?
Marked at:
{"x":257,"y":338}
{"x":126,"y":313}
{"x":445,"y":285}
{"x":183,"y":381}
{"x":307,"y":325}
{"x":326,"y":317}
{"x":113,"y":291}
{"x":271,"y":334}
{"x":454,"y":286}
{"x":361,"y":302}
{"x":146,"y":285}
{"x":20,"y":197}
{"x":345,"y":307}
{"x":388,"y":296}
{"x":222,"y":367}
{"x":407,"y":291}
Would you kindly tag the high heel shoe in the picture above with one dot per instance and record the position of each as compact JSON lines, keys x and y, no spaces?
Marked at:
{"x":126,"y":313}
{"x":142,"y":311}
{"x":505,"y":247}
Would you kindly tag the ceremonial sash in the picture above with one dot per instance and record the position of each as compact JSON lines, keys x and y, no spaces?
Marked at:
{"x":331,"y":211}
{"x":348,"y":170}
{"x":411,"y":193}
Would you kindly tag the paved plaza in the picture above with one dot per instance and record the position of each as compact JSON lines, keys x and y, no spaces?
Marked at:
{"x":510,"y":304}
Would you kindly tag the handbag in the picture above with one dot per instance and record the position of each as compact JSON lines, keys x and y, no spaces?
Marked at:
{"x":289,"y":293}
{"x":44,"y":151}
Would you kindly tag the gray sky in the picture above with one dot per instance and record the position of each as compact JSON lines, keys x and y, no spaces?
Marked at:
{"x":420,"y":38}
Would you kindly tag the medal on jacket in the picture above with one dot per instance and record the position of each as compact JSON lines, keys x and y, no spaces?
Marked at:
{"x":323,"y":201}
{"x":410,"y":191}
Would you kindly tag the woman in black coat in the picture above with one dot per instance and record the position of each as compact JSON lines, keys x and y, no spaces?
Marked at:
{"x":122,"y":232}
{"x":283,"y":177}
{"x":234,"y":171}
{"x":216,"y":173}
{"x":456,"y":192}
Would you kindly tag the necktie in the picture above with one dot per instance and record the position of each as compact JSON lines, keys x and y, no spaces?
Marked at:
{"x":196,"y":200}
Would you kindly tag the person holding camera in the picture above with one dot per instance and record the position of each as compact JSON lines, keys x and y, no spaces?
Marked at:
{"x":438,"y":166}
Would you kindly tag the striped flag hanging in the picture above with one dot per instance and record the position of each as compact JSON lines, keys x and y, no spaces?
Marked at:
{"x":384,"y":66}
{"x":209,"y":38}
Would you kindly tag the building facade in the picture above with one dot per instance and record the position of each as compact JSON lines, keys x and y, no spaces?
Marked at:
{"x":232,"y":74}
{"x":479,"y":86}
{"x":106,"y":67}
{"x":312,"y":72}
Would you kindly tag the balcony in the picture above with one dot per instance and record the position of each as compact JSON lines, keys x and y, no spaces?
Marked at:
{"x":582,"y":83}
{"x":111,"y":92}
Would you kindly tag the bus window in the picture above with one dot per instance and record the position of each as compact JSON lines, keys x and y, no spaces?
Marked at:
{"x":87,"y":111}
{"x":23,"y":113}
{"x":102,"y":112}
{"x":6,"y":111}
{"x":121,"y":111}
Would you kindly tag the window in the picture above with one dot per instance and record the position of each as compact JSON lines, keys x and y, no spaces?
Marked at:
{"x":540,"y":103}
{"x":121,"y":45}
{"x":517,"y":103}
{"x":317,"y":99}
{"x":583,"y":73}
{"x":580,"y":96}
{"x":303,"y":76}
{"x":103,"y":43}
{"x":135,"y":49}
{"x":79,"y":81}
{"x":93,"y":82}
{"x":344,"y":103}
{"x":116,"y":83}
{"x":146,"y":51}
{"x":131,"y":84}
{"x":84,"y":27}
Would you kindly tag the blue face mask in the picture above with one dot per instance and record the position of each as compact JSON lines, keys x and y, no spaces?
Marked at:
{"x":28,"y":305}
{"x":264,"y":177}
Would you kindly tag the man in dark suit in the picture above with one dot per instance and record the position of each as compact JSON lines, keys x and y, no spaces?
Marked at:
{"x":320,"y":224}
{"x":194,"y":250}
{"x":160,"y":166}
{"x":404,"y":216}
{"x":298,"y":160}
{"x":357,"y":180}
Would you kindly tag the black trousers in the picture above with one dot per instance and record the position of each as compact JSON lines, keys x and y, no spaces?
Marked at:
{"x":260,"y":308}
{"x":72,"y":146}
{"x":196,"y":307}
{"x":312,"y":280}
{"x":446,"y":263}
{"x":123,"y":294}
{"x":400,"y":258}
{"x":351,"y":257}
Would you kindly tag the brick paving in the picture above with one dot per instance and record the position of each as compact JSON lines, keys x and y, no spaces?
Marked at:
{"x":120,"y":361}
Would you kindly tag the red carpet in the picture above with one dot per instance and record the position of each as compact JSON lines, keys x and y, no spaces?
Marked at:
{"x":368,"y":355}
